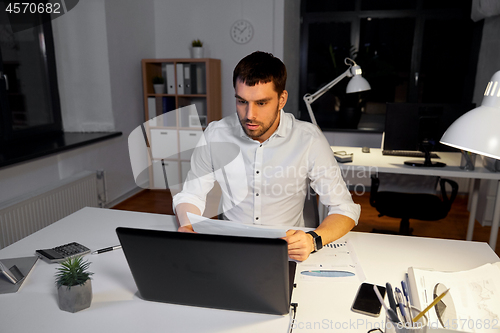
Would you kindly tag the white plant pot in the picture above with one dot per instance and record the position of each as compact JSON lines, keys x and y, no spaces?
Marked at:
{"x":76,"y":298}
{"x":159,"y":88}
{"x":197,"y":52}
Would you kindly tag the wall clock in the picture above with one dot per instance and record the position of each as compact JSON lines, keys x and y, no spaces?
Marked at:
{"x":241,"y":31}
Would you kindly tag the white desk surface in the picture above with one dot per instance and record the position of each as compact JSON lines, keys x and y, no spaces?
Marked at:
{"x":116,"y":308}
{"x":374,"y":162}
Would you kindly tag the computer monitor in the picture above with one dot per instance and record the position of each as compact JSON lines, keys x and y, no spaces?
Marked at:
{"x":418,"y":126}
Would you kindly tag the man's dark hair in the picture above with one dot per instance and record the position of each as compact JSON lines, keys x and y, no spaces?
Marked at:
{"x":261,"y":67}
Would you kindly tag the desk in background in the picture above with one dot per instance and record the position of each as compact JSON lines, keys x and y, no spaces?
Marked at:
{"x":116,"y":307}
{"x":376,"y":162}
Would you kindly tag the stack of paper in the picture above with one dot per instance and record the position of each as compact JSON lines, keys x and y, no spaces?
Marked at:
{"x":475,"y":297}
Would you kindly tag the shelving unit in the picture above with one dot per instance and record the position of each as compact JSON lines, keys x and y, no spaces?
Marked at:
{"x":175,"y":118}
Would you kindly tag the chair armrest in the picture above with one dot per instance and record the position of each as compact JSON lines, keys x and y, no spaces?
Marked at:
{"x":454,"y":190}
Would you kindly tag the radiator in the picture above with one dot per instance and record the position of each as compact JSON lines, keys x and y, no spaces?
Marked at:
{"x":24,"y":215}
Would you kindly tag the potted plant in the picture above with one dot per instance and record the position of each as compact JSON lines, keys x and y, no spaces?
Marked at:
{"x":74,"y":286}
{"x":197,"y":48}
{"x":159,"y":84}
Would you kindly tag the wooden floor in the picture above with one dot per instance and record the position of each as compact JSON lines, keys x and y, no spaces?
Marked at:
{"x":454,"y":226}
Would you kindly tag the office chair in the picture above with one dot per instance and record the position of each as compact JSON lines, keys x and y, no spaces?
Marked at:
{"x":411,"y":197}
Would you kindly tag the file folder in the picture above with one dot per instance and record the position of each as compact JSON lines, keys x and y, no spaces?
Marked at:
{"x":170,"y":79}
{"x":180,"y":79}
{"x":187,"y":79}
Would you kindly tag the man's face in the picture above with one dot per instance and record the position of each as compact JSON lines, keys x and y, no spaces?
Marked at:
{"x":258,"y":109}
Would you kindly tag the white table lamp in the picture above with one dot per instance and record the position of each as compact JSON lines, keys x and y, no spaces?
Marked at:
{"x":477,"y":131}
{"x":356,"y":84}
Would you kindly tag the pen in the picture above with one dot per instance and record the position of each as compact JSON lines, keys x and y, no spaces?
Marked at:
{"x":407,"y":296}
{"x":436,"y":300}
{"x":399,"y":299}
{"x":390,"y":296}
{"x":107,"y":249}
{"x":390,"y":312}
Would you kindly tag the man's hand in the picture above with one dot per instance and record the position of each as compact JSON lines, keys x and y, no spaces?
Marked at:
{"x":181,"y":214}
{"x":300,"y":244}
{"x":186,"y":228}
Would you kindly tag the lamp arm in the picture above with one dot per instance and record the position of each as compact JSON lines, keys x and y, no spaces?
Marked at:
{"x":309,"y":99}
{"x":329,"y":86}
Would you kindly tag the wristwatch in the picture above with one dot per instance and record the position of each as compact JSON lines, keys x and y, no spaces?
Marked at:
{"x":318,"y":243}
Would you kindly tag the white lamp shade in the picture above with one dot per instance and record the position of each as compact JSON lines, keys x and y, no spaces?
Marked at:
{"x":356,"y":84}
{"x":478,"y":130}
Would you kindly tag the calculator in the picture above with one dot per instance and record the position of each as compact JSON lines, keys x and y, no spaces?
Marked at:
{"x":63,"y":252}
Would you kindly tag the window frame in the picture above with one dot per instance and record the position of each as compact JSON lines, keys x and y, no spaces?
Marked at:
{"x":419,"y":14}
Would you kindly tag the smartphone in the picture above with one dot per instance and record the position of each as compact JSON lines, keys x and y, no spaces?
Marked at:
{"x":366,"y":301}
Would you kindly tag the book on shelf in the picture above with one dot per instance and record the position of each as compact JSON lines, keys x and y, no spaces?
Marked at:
{"x":471,"y":305}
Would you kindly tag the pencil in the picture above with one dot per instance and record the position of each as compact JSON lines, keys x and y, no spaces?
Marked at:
{"x":436,"y":300}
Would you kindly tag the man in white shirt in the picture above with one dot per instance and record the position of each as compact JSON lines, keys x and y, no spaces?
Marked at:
{"x":281,"y":156}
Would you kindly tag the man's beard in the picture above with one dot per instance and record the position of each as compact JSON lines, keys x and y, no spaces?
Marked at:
{"x":261,"y":130}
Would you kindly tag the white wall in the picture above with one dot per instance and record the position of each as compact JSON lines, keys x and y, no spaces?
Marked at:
{"x":178,"y":22}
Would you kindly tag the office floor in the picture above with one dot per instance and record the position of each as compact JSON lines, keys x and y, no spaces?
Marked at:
{"x":454,"y":226}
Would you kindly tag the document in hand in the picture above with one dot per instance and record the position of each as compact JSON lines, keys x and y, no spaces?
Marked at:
{"x":474,"y":302}
{"x":203,"y":225}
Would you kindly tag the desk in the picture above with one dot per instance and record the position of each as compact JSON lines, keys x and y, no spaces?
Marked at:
{"x":116,"y":308}
{"x":374,"y":162}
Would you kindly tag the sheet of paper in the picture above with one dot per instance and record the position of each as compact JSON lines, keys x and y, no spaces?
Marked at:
{"x":475,"y":294}
{"x":203,"y":225}
{"x":338,"y":256}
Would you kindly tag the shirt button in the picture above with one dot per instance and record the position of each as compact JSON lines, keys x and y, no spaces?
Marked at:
{"x":260,"y":145}
{"x":257,"y":172}
{"x":257,"y":194}
{"x":256,"y":218}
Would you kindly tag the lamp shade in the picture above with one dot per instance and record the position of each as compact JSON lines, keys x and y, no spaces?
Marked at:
{"x":478,"y":130}
{"x":357,"y":82}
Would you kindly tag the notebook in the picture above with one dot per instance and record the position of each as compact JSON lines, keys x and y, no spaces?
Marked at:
{"x":224,"y":272}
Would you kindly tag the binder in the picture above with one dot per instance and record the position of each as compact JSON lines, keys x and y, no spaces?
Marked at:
{"x":201,"y":87}
{"x":169,"y":117}
{"x":159,"y":109}
{"x":180,"y":79}
{"x":187,"y":79}
{"x":170,"y":79}
{"x":152,"y":111}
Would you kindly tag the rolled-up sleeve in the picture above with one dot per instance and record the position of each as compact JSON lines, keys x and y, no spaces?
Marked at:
{"x":327,"y":181}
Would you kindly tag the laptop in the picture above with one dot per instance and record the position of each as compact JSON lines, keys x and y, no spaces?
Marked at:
{"x":223,"y":272}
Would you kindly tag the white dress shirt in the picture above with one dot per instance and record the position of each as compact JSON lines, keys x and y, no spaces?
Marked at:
{"x":266,"y":183}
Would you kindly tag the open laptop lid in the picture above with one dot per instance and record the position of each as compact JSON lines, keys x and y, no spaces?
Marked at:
{"x":214,"y":271}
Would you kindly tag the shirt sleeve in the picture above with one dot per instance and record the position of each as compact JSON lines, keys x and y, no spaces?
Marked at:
{"x":327,"y":181}
{"x":200,"y":178}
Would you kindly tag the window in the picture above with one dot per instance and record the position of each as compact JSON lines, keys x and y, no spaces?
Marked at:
{"x":417,"y":51}
{"x":29,"y":97}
